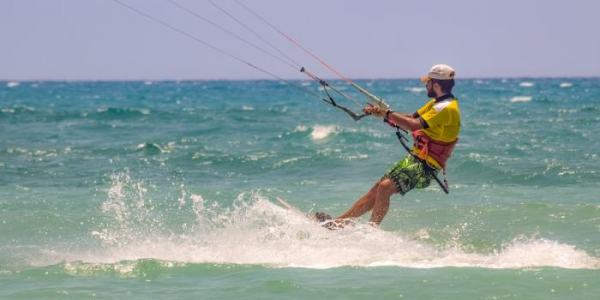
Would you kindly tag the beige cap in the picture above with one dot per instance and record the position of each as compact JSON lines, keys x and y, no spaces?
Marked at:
{"x":440,"y":72}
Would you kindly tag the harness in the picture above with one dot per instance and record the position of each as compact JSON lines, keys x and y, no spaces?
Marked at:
{"x":439,"y":151}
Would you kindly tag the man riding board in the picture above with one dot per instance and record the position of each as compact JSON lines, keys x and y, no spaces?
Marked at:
{"x":435,"y":128}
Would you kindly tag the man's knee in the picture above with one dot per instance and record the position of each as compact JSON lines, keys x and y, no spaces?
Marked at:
{"x":387,"y":186}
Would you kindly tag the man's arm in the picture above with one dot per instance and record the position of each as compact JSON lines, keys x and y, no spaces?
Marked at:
{"x":407,"y":122}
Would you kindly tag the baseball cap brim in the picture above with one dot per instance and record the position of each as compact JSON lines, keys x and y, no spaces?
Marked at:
{"x":425,"y":79}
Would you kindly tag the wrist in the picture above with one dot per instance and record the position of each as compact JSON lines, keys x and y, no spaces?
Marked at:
{"x":388,"y":113}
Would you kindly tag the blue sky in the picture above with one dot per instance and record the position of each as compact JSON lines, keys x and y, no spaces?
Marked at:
{"x":101,"y":40}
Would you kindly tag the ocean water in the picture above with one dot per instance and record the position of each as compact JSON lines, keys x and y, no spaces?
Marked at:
{"x":166,"y":190}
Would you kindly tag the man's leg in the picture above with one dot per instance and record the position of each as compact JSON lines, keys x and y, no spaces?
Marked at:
{"x":405,"y":175}
{"x":386,"y":188}
{"x":362,"y":205}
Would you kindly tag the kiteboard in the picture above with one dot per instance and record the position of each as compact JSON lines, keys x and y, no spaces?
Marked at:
{"x":329,"y":224}
{"x":288,"y":206}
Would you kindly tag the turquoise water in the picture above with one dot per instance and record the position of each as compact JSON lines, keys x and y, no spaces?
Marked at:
{"x":166,"y":190}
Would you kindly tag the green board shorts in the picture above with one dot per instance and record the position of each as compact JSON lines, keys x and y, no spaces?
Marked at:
{"x":409,"y":173}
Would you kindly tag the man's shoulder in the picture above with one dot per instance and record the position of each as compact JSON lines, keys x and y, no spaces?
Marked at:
{"x":442,"y":104}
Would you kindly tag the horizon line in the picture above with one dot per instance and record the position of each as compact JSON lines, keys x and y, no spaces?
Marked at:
{"x":286,"y":79}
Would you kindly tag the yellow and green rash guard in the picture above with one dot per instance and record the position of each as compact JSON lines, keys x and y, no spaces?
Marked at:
{"x":440,"y":119}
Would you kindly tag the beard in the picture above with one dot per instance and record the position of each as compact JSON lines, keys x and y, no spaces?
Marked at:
{"x":431,"y":93}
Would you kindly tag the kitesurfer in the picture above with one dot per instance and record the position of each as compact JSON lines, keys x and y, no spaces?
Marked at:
{"x":435,"y":128}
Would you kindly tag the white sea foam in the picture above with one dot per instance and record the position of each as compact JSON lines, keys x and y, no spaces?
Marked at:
{"x":13,"y":84}
{"x":416,"y":89}
{"x":521,"y":99}
{"x":256,"y":231}
{"x":301,"y":128}
{"x":527,"y":84}
{"x":289,"y":161}
{"x":322,"y":131}
{"x":566,"y":85}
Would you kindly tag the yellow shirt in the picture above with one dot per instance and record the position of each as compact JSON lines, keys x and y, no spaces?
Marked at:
{"x":443,"y":119}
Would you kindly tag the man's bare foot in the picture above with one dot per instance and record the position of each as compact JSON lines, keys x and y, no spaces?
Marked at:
{"x":321,"y":217}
